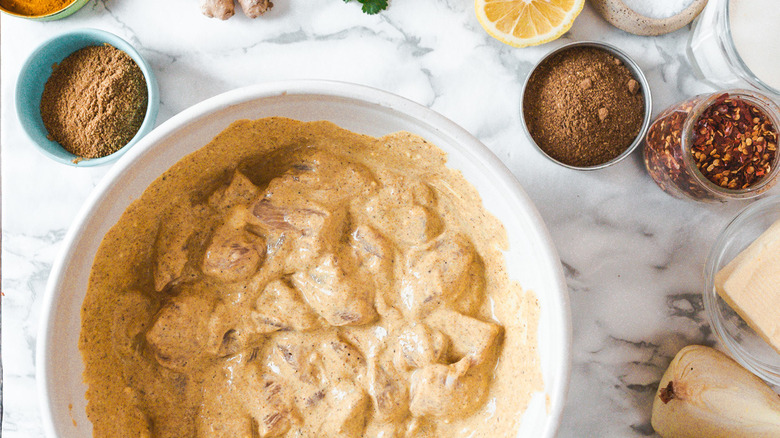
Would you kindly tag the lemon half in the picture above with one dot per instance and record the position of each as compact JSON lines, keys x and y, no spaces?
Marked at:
{"x":522,"y":23}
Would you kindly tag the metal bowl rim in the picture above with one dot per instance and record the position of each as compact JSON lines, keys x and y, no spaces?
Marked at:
{"x":638,"y":75}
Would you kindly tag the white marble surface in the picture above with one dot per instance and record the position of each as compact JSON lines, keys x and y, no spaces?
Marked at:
{"x":633,"y":256}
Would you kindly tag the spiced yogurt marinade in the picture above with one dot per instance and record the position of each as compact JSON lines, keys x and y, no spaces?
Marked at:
{"x":295,"y":279}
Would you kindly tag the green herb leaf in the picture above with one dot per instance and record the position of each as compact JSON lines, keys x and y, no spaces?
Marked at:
{"x":372,"y":7}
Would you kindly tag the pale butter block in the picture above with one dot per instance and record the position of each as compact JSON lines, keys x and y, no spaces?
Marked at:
{"x":750,"y":284}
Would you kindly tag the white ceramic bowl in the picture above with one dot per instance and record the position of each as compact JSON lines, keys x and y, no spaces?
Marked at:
{"x":532,"y":259}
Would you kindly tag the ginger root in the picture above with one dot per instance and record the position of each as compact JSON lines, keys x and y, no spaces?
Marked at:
{"x":224,"y":9}
{"x":255,"y":8}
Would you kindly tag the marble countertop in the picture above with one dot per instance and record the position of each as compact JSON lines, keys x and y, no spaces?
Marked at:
{"x":633,"y":256}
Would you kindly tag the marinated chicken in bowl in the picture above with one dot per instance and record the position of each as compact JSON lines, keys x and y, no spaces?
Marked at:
{"x":295,"y":279}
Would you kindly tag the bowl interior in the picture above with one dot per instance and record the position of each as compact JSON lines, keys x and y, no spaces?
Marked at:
{"x":531,"y":259}
{"x":744,"y":344}
{"x":69,"y":9}
{"x":37,"y":70}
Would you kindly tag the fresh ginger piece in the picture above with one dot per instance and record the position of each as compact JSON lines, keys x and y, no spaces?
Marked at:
{"x":255,"y":8}
{"x":222,"y":9}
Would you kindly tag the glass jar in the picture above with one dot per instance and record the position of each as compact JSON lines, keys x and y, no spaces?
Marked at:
{"x":720,"y":51}
{"x":677,"y":158}
{"x":740,"y":340}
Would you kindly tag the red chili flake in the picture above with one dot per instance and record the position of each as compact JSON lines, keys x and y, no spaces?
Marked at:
{"x":729,"y":142}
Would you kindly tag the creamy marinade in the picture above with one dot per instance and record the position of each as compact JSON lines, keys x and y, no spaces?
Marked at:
{"x":296,"y":279}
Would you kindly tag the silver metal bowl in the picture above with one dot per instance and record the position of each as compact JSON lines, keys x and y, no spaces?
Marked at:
{"x":635,"y":71}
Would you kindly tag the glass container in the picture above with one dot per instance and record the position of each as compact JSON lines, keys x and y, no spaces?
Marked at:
{"x":742,"y":343}
{"x":669,"y":155}
{"x":715,"y":57}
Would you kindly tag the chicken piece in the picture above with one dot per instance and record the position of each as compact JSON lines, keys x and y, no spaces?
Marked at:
{"x":275,"y":423}
{"x":469,"y":336}
{"x":342,"y":361}
{"x":456,"y":390}
{"x":325,"y":179}
{"x":416,"y":224}
{"x":255,"y":8}
{"x":295,"y":358}
{"x":233,"y":254}
{"x":404,"y":211}
{"x":371,"y":250}
{"x":272,"y":218}
{"x":407,"y":224}
{"x":280,"y":307}
{"x":325,"y":374}
{"x":240,"y":191}
{"x":269,"y":405}
{"x":308,"y":229}
{"x":371,"y":260}
{"x":232,"y":342}
{"x":176,"y":239}
{"x":390,"y":396}
{"x":263,"y":407}
{"x":448,"y":391}
{"x":303,"y":219}
{"x":316,"y":360}
{"x":222,"y":9}
{"x":340,"y":298}
{"x":419,"y":427}
{"x":447,"y":271}
{"x":232,"y":329}
{"x":418,"y":346}
{"x":180,"y":331}
{"x":348,"y":411}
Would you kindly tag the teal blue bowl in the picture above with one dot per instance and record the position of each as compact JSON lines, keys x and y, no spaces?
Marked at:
{"x":37,"y":70}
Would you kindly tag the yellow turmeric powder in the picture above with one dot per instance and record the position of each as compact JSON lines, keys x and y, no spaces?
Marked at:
{"x":34,"y":8}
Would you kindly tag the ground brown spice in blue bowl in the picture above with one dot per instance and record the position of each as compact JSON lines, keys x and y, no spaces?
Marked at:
{"x":95,"y":101}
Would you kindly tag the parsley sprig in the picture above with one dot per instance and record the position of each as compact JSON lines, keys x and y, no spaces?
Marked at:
{"x":372,"y":7}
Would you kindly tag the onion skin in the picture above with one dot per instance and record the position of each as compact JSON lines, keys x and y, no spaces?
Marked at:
{"x":706,"y":394}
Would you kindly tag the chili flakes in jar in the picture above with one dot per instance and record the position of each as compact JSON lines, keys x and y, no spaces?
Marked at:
{"x":717,"y":147}
{"x":734,"y":143}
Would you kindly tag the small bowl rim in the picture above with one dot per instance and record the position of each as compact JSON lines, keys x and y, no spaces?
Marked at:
{"x":768,"y":372}
{"x":636,"y":72}
{"x":85,"y":37}
{"x":648,"y":26}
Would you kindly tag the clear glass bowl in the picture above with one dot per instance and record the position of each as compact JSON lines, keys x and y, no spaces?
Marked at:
{"x":744,"y":345}
{"x":714,"y":56}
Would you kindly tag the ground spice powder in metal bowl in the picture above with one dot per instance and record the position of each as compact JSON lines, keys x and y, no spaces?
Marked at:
{"x":95,"y":101}
{"x":583,"y":107}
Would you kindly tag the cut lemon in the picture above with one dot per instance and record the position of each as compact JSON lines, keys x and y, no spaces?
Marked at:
{"x":522,"y":23}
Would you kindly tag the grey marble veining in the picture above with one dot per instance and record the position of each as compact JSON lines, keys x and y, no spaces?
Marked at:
{"x":633,"y":256}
